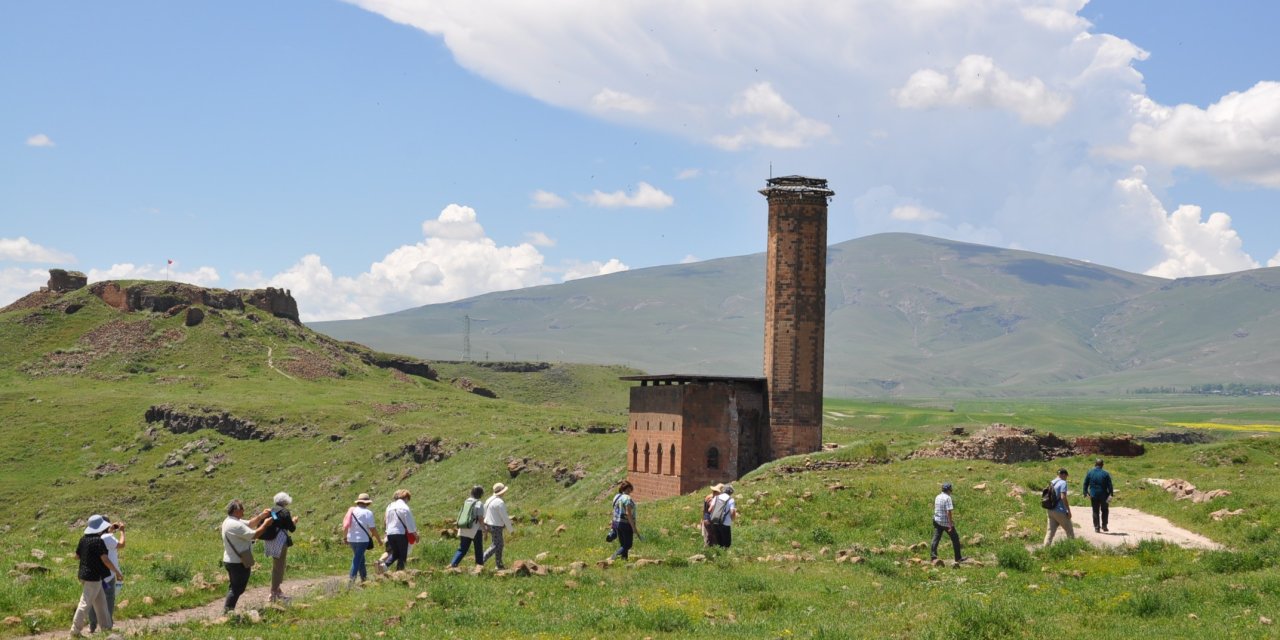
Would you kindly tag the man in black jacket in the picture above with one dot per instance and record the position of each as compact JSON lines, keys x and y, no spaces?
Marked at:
{"x":1097,"y":485}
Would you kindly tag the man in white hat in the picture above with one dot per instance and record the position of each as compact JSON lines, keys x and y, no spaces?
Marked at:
{"x":496,"y":521}
{"x":95,"y":566}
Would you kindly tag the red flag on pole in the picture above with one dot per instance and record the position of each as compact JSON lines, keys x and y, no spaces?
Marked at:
{"x":170,"y":261}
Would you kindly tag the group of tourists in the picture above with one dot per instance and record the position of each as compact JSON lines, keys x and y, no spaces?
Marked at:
{"x":1097,"y":486}
{"x":273,"y":526}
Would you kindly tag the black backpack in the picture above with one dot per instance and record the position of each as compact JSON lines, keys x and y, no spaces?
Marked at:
{"x":1049,"y":497}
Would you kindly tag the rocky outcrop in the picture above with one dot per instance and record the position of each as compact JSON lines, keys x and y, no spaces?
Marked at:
{"x":1006,"y":444}
{"x":403,"y":364}
{"x":470,"y":386}
{"x":208,"y":418}
{"x":277,"y":302}
{"x":1111,"y":446}
{"x":62,"y":281}
{"x":194,"y":316}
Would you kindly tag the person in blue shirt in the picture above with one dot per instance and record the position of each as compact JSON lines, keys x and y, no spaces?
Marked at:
{"x":1060,"y":515}
{"x":1097,"y":485}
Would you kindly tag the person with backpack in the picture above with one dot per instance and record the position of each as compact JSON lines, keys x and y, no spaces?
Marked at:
{"x":944,"y":520}
{"x":402,"y":531}
{"x":624,"y":519}
{"x":1097,"y":485}
{"x":360,"y":530}
{"x":1055,"y":501}
{"x":723,"y":512}
{"x":470,"y":517}
{"x":276,"y":543}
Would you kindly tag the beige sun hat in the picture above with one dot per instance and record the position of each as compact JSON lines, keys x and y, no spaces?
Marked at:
{"x":364,"y":499}
{"x":499,"y":489}
{"x":717,"y":487}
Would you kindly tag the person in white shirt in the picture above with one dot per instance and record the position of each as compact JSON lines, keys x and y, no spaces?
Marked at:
{"x":496,"y":521}
{"x":723,"y":510}
{"x":944,"y":519}
{"x":400,"y":529}
{"x":114,"y":539}
{"x":361,"y":533}
{"x":237,"y":537}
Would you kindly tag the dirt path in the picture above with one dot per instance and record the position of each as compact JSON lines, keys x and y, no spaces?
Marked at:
{"x":1129,"y":526}
{"x":255,"y":598}
{"x":272,"y":364}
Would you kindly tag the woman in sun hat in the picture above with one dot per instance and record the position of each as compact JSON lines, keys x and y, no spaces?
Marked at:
{"x":496,"y":521}
{"x":95,"y":566}
{"x":360,"y":530}
{"x":708,"y":532}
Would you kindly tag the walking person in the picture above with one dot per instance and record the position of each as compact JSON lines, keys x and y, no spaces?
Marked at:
{"x":276,"y":542}
{"x":724,"y":510}
{"x":238,"y":535}
{"x":708,"y":532}
{"x":1060,"y":514}
{"x":95,"y":566}
{"x":624,"y":520}
{"x":360,"y":531}
{"x":470,"y":521}
{"x":944,"y":519}
{"x":113,"y":538}
{"x":402,"y":531}
{"x":1097,"y":485}
{"x":497,"y":522}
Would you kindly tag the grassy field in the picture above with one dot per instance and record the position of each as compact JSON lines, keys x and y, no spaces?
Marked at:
{"x":73,"y":441}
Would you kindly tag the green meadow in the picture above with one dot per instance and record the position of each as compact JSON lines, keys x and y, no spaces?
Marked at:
{"x":74,"y":441}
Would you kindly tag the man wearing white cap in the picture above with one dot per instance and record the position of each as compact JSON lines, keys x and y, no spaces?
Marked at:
{"x":95,"y":566}
{"x":496,"y":521}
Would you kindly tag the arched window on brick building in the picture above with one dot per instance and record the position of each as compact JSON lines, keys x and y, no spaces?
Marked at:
{"x":713,"y":458}
{"x":646,"y":457}
{"x":659,"y":472}
{"x":671,"y":468}
{"x":635,"y":457}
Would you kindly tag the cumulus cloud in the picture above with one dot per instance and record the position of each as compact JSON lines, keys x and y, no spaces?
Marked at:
{"x":40,"y":140}
{"x":546,"y":200}
{"x":539,"y":239}
{"x":645,"y":196}
{"x":1274,"y":261}
{"x":576,"y":270}
{"x":1192,"y":245}
{"x":21,"y":249}
{"x":610,"y":100}
{"x":977,"y":82}
{"x":200,"y":276}
{"x":914,"y":213}
{"x":773,"y":122}
{"x":1236,"y":138}
{"x":689,"y":258}
{"x":16,"y":282}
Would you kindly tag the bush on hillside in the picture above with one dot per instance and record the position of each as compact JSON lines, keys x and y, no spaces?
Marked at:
{"x":1015,"y":557}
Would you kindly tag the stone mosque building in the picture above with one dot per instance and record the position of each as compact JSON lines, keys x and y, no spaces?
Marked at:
{"x":689,"y":431}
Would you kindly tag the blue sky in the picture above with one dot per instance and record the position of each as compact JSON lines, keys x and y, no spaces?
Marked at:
{"x":375,"y":155}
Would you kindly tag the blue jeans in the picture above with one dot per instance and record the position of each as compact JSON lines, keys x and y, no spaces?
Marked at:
{"x":625,"y":535}
{"x":357,"y":559}
{"x":464,"y":543}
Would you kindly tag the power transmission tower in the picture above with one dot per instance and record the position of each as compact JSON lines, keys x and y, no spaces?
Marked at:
{"x":466,"y":340}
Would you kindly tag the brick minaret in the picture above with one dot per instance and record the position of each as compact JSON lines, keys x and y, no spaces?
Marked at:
{"x":795,"y":312}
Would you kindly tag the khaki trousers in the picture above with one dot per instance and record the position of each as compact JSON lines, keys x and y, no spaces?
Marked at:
{"x":1058,"y":519}
{"x":91,"y":596}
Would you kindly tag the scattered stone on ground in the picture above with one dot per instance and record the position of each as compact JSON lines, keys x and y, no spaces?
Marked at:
{"x":1183,"y":490}
{"x":594,"y":430}
{"x":1222,"y":514}
{"x":470,"y":386}
{"x":1178,"y":437}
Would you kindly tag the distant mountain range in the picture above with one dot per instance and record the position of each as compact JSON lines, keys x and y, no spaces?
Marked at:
{"x":907,"y":315}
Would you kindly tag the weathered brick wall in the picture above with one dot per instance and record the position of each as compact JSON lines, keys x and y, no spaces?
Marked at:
{"x":655,"y":426}
{"x":795,"y":314}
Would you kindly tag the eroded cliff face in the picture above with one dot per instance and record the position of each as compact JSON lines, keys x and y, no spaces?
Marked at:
{"x":162,"y":297}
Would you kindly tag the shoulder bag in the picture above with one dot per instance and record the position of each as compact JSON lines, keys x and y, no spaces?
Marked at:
{"x":356,"y":518}
{"x":411,"y":535}
{"x":246,"y":556}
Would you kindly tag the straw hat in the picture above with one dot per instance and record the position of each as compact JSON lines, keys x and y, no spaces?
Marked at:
{"x":499,"y":489}
{"x":363,"y":499}
{"x":717,"y":487}
{"x":97,"y":524}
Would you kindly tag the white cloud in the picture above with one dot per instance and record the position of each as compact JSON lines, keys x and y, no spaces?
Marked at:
{"x":16,"y":282}
{"x":576,"y":270}
{"x":646,"y":196}
{"x":1274,"y":261}
{"x":40,"y":140}
{"x":1236,"y":138}
{"x":689,"y":258}
{"x":546,"y":200}
{"x":610,"y":100}
{"x":21,"y":249}
{"x":688,"y":174}
{"x":201,"y":276}
{"x":1192,"y":246}
{"x":539,"y":239}
{"x":978,"y":82}
{"x":914,"y":213}
{"x":775,"y":123}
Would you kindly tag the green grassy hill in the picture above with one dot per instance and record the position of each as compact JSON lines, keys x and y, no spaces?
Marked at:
{"x":75,"y":390}
{"x":907,"y":315}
